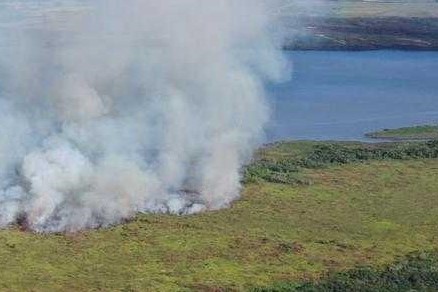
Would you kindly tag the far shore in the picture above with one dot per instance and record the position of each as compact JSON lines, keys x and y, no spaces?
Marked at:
{"x":417,"y":133}
{"x":366,"y":33}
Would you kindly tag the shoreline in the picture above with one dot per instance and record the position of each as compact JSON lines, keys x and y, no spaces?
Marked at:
{"x":406,"y":134}
{"x":421,"y":133}
{"x":364,"y":34}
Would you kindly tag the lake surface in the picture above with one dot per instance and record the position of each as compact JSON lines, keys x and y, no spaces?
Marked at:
{"x":343,"y":95}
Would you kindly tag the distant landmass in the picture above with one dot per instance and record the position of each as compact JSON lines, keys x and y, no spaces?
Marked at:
{"x":364,"y":25}
{"x":364,"y":33}
{"x":425,"y":132}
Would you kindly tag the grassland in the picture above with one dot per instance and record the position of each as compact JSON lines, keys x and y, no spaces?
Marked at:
{"x":426,"y":132}
{"x":334,"y":214}
{"x":415,"y":272}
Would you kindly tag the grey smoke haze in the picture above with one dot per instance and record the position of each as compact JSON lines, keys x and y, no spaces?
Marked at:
{"x":133,"y":106}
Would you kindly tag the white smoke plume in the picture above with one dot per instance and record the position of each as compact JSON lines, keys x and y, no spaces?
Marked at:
{"x":122,"y":107}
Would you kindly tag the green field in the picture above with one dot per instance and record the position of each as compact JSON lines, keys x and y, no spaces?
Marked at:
{"x":336,"y":210}
{"x":426,"y":132}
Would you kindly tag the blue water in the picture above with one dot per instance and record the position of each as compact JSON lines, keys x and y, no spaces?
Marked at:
{"x":343,"y":95}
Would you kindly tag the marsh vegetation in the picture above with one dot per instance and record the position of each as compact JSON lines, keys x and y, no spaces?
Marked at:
{"x":311,"y":213}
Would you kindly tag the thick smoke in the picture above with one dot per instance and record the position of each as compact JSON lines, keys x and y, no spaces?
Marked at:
{"x":132,"y":106}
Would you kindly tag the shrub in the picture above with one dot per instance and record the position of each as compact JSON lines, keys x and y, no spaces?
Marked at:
{"x":416,"y":272}
{"x":284,"y":170}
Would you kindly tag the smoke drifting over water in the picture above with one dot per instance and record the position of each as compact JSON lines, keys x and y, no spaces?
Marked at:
{"x":131,"y":106}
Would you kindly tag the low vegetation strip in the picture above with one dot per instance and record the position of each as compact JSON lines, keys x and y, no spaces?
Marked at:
{"x":416,"y":272}
{"x":277,"y":166}
{"x":426,"y":132}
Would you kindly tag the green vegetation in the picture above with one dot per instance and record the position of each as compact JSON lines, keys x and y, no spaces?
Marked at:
{"x":416,"y":272}
{"x":336,"y":206}
{"x":284,"y":162}
{"x":427,"y":132}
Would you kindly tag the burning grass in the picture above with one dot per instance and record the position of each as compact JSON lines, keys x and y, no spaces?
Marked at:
{"x":366,"y":212}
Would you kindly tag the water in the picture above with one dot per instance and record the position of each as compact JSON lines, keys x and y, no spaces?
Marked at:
{"x":343,"y":95}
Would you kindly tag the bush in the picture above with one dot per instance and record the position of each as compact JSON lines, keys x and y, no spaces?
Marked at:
{"x":284,"y":170}
{"x":416,"y":272}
